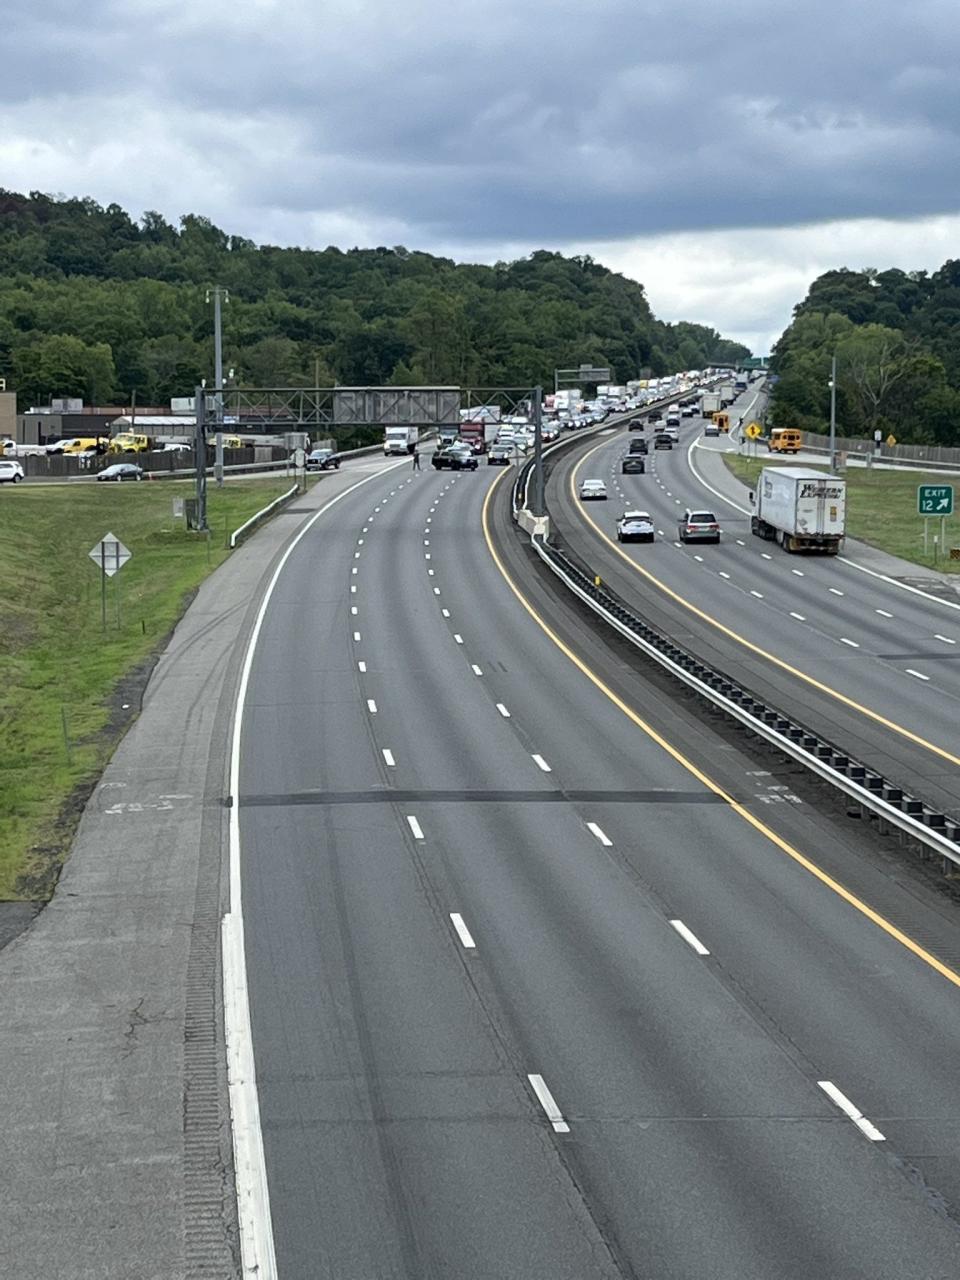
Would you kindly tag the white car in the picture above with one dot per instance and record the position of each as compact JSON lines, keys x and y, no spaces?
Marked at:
{"x":591,"y":489}
{"x":10,"y":471}
{"x":635,"y":526}
{"x":671,"y":431}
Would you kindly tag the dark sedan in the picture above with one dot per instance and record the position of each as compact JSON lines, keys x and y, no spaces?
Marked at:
{"x":121,"y":471}
{"x":633,"y":465}
{"x":457,"y":457}
{"x":663,"y":441}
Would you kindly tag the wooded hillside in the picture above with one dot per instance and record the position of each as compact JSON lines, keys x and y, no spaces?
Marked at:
{"x":896,"y":336}
{"x":95,"y":304}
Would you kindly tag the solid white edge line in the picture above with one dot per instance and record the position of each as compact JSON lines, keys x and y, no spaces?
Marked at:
{"x":257,"y":1250}
{"x":415,"y":827}
{"x":840,"y":1100}
{"x":690,"y":937}
{"x":601,"y":835}
{"x":545,"y":1098}
{"x":462,"y":931}
{"x":503,"y":711}
{"x":388,"y":758}
{"x":541,"y":763}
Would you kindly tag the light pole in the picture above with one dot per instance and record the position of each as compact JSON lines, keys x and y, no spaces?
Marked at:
{"x":217,"y":292}
{"x":833,"y":413}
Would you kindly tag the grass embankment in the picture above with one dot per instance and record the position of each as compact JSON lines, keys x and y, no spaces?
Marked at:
{"x":881,"y":509}
{"x":66,"y":679}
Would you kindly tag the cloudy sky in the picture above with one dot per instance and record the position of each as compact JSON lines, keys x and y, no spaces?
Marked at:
{"x":723,"y":155}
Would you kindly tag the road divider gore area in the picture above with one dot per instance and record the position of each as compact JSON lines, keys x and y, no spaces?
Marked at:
{"x":895,"y":808}
{"x":72,"y":685}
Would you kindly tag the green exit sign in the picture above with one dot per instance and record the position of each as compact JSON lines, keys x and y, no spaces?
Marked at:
{"x":935,"y":499}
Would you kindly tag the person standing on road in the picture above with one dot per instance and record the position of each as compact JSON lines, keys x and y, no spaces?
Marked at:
{"x":416,"y":458}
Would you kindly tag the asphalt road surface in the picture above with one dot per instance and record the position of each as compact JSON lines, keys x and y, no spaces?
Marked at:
{"x":531,"y":997}
{"x":874,"y":667}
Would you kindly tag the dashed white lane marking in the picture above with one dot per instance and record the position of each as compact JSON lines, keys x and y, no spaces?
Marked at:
{"x":700,"y":558}
{"x":356,"y":555}
{"x":919,"y":674}
{"x":660,"y":532}
{"x":356,"y":636}
{"x":353,"y":590}
{"x":945,"y":639}
{"x":359,"y":542}
{"x":690,"y":937}
{"x":503,"y":711}
{"x":476,"y":670}
{"x":883,"y":613}
{"x":415,"y":827}
{"x":852,"y":643}
{"x":426,"y":555}
{"x":741,"y":543}
{"x":463,"y":933}
{"x":354,"y":610}
{"x":835,"y":591}
{"x":799,"y":616}
{"x":678,"y":544}
{"x":798,"y":572}
{"x":388,"y":759}
{"x":764,"y":556}
{"x":426,"y":541}
{"x":445,"y":612}
{"x":371,"y":706}
{"x":545,"y":1098}
{"x":458,"y":638}
{"x":376,"y":508}
{"x":677,"y":502}
{"x":722,"y":574}
{"x":541,"y":763}
{"x":354,"y":569}
{"x":430,"y":572}
{"x":436,"y":591}
{"x":853,"y":1113}
{"x":600,"y":834}
{"x":758,"y":594}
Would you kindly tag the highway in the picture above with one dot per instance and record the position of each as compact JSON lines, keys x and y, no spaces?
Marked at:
{"x":541,"y":985}
{"x":872,"y":666}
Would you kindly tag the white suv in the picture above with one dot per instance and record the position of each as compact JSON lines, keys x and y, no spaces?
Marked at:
{"x":10,"y":471}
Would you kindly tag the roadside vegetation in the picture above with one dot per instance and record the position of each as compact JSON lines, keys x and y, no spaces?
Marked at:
{"x":881,"y":509}
{"x":71,"y":687}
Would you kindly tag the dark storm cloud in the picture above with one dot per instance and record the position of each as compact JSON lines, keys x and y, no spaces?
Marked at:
{"x":534,"y":122}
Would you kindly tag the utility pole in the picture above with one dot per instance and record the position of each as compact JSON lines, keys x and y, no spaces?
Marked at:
{"x":200,"y":450}
{"x":833,"y":413}
{"x":218,"y":293}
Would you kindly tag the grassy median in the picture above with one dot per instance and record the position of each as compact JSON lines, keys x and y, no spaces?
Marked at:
{"x":881,"y":509}
{"x":71,"y":686}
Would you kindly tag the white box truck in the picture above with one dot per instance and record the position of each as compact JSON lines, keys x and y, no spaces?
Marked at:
{"x":802,"y":509}
{"x":727,"y":394}
{"x":399,"y":440}
{"x":709,"y":403}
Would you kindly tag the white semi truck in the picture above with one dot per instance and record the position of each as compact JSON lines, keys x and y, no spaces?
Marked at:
{"x":399,"y":440}
{"x":802,"y":509}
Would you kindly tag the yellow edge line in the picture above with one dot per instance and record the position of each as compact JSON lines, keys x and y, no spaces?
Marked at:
{"x":748,"y":644}
{"x":783,"y":845}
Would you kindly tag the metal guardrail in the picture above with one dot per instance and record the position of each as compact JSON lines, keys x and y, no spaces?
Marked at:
{"x":262,"y":514}
{"x":933,"y":830}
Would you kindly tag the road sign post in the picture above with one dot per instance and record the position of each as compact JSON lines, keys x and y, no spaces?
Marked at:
{"x":111,"y":555}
